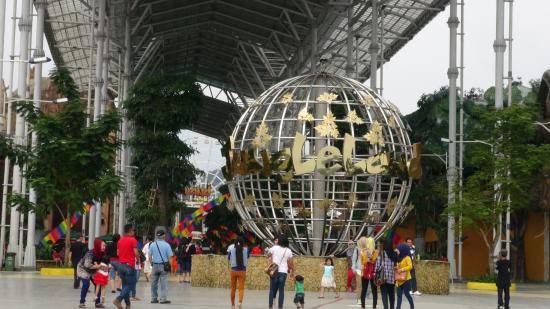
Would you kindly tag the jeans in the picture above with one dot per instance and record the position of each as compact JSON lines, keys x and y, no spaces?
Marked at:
{"x":388,"y":295}
{"x":133,"y":288}
{"x":76,"y":283}
{"x":277,"y":283}
{"x":413,"y":280}
{"x":237,"y":278}
{"x":404,"y":288}
{"x":364,"y":287}
{"x":84,"y":290}
{"x":506,"y":302}
{"x":158,"y":274}
{"x":128,"y":277}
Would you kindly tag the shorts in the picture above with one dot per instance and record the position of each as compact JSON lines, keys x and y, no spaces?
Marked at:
{"x":112,"y":273}
{"x":186,"y":266}
{"x":299,"y":298}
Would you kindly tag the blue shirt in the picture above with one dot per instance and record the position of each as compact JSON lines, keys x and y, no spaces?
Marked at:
{"x":163,"y":248}
{"x":233,"y":258}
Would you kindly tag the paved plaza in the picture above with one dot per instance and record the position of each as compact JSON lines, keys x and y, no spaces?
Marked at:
{"x":30,"y":290}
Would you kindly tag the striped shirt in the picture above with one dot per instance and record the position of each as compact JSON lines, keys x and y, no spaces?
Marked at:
{"x":387,"y":266}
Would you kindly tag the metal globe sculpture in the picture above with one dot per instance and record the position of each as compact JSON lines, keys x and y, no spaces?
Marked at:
{"x":322,"y":159}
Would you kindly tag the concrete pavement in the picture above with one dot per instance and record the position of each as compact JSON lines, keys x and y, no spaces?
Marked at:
{"x":30,"y":290}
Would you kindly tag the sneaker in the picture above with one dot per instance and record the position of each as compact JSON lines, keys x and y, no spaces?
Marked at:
{"x":82,"y":306}
{"x":417,"y":293}
{"x":165,"y":302}
{"x":99,"y":306}
{"x":135,"y":299}
{"x":118,"y":303}
{"x":154,"y":301}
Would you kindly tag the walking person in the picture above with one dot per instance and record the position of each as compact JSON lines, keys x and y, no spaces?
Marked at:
{"x":503,"y":280}
{"x":281,"y":256}
{"x":187,"y":256}
{"x":159,"y":254}
{"x":238,"y":257}
{"x":78,"y":249}
{"x":368,"y":264}
{"x":357,"y":266}
{"x":126,"y":265}
{"x":403,"y":275}
{"x":147,"y":268}
{"x":414,"y":289}
{"x":86,"y":268}
{"x":327,"y":281}
{"x":112,"y":253}
{"x":386,"y":277}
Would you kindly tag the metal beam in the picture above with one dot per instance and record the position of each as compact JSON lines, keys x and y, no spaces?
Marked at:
{"x":245,"y":79}
{"x":253,"y":68}
{"x":141,"y":19}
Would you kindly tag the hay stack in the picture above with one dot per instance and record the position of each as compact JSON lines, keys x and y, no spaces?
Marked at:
{"x":213,"y":271}
{"x":432,"y":277}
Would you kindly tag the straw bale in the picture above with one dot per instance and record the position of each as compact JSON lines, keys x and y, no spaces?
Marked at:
{"x":432,"y":277}
{"x":214,"y":270}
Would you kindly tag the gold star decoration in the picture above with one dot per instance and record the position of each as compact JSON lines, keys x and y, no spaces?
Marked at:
{"x":324,"y":204}
{"x":328,"y":127}
{"x":278,"y":201}
{"x":327,"y":97}
{"x":304,"y":213}
{"x":391,"y":206}
{"x":374,"y":136}
{"x":303,"y":115}
{"x":352,"y":199}
{"x":353,"y":118}
{"x":368,"y":101}
{"x":262,"y":138}
{"x":287,"y":98}
{"x":391,"y":122}
{"x":249,"y":200}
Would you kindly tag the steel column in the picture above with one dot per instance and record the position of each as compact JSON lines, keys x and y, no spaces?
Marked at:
{"x":124,"y":133}
{"x":30,"y":254}
{"x":349,"y":49}
{"x":314,"y":37}
{"x":452,"y":73}
{"x":461,"y":137}
{"x":2,"y":28}
{"x":374,"y":48}
{"x":19,"y":138}
{"x":9,"y":126}
{"x":510,"y":81}
{"x":100,"y":38}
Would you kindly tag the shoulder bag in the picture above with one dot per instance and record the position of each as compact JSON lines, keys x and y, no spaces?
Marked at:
{"x":400,"y":275}
{"x":167,"y":267}
{"x":273,"y":269}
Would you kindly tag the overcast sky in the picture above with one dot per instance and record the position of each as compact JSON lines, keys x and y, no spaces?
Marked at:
{"x":421,"y":65}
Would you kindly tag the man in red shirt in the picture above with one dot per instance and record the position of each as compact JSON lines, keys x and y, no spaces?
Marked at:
{"x":126,"y":266}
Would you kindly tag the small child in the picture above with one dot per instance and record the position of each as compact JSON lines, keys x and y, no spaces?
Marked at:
{"x":503,"y":280}
{"x":300,"y":295}
{"x":101,"y":279}
{"x":328,"y":278}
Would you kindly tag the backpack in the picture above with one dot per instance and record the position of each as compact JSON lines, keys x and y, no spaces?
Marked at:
{"x":368,"y":270}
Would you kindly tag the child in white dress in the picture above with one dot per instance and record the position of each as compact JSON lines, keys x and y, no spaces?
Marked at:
{"x":327,"y":281}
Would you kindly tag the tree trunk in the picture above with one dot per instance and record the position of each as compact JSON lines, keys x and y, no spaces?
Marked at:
{"x":546,"y":246}
{"x":163,"y":205}
{"x":68,"y":238}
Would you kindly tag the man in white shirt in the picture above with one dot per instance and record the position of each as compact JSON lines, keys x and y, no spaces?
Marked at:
{"x":414,"y":290}
{"x":281,"y":255}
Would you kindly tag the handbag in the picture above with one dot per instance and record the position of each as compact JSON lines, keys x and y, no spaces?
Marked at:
{"x":400,"y":275}
{"x":167,"y":267}
{"x":273,"y":269}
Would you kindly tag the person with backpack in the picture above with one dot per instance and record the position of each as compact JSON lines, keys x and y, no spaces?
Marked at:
{"x":237,"y":254}
{"x":280,"y":266}
{"x":368,"y":259}
{"x":87,"y":267}
{"x":385,"y":277}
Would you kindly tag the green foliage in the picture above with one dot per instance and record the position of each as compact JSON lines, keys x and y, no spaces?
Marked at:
{"x":160,"y":107}
{"x":71,"y":163}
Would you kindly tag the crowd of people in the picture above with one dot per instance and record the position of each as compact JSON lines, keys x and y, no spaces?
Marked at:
{"x":384,"y":268}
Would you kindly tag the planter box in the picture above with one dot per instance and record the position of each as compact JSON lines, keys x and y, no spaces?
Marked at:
{"x":485,"y":286}
{"x":432,"y":277}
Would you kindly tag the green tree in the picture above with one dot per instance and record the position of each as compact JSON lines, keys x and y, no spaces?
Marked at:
{"x":160,"y":107}
{"x":504,"y":178}
{"x":71,"y":164}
